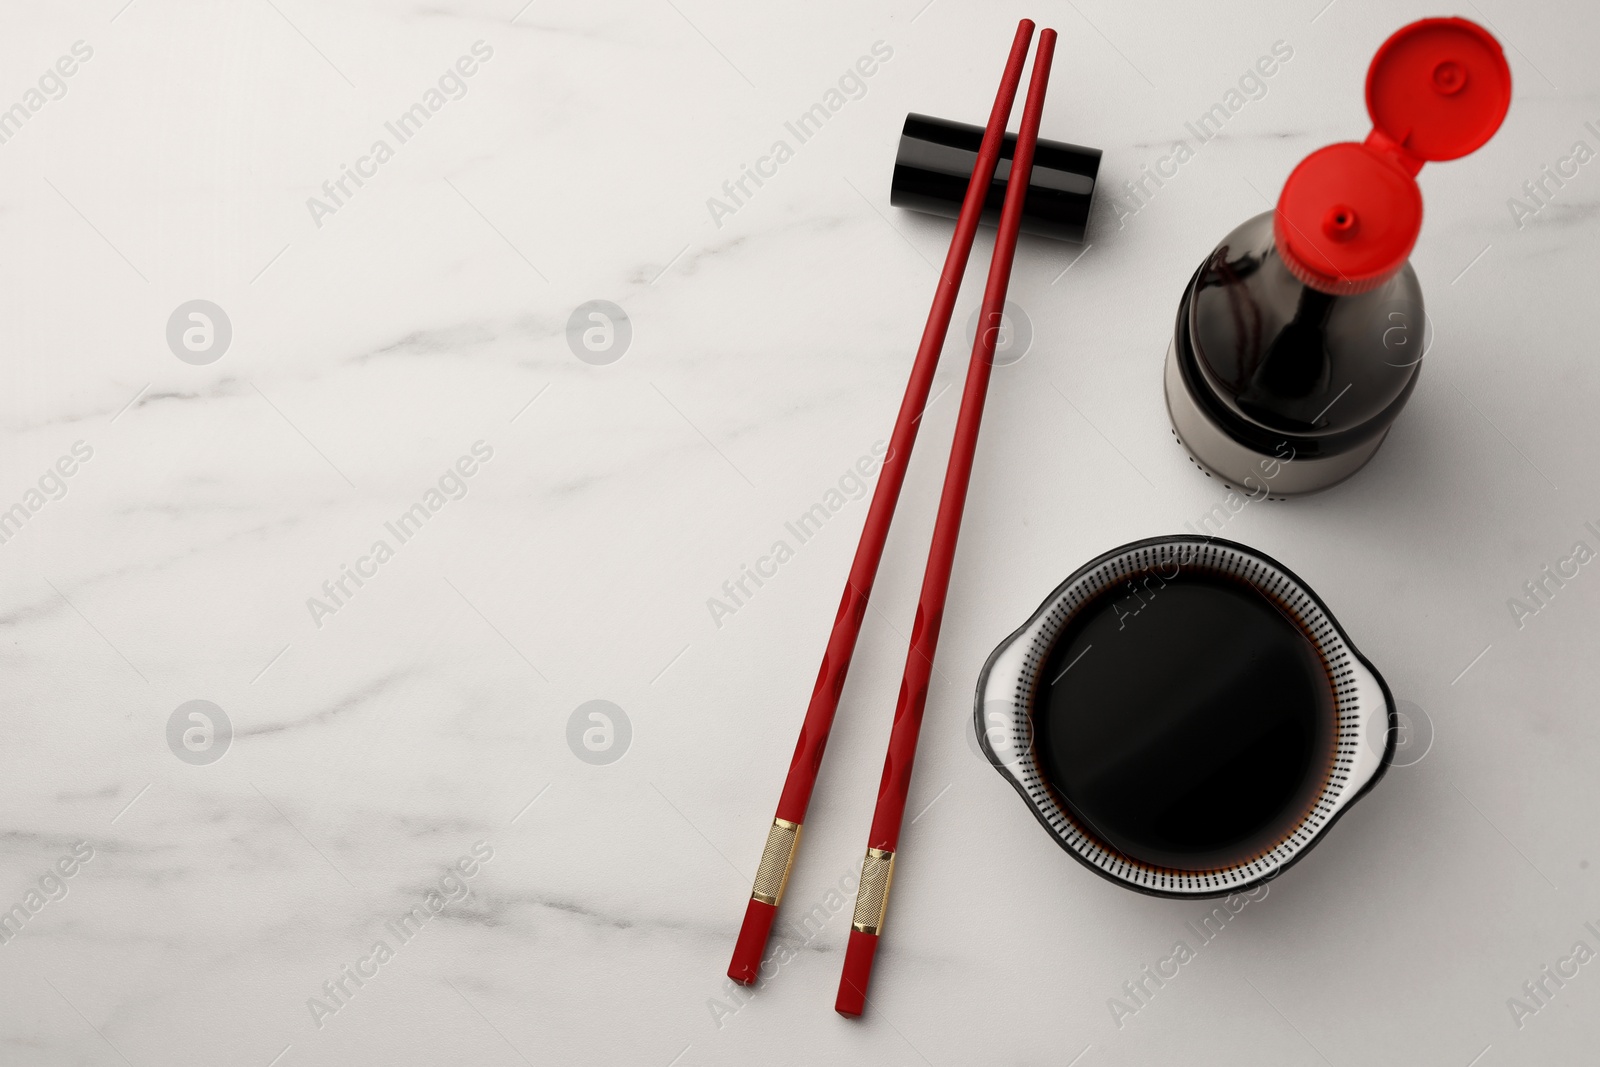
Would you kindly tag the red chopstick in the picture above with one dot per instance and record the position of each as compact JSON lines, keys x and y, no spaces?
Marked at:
{"x":783,"y":838}
{"x":877,"y":869}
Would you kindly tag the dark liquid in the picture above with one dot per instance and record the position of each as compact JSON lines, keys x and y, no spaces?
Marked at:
{"x":1274,"y":362}
{"x":1187,"y":721}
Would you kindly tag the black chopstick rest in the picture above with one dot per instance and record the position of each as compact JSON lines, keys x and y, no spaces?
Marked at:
{"x":935,"y":160}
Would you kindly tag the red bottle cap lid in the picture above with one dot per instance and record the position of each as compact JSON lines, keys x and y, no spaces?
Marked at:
{"x":1350,"y":213}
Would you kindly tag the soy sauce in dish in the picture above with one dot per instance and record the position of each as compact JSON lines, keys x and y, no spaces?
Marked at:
{"x":1187,"y":722}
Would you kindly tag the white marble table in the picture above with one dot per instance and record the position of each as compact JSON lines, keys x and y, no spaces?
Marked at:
{"x":391,"y":335}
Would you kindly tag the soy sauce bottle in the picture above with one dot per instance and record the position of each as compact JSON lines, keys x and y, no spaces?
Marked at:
{"x":1300,"y":338}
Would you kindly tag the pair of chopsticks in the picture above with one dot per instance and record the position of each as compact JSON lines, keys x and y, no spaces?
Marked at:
{"x":783,"y":838}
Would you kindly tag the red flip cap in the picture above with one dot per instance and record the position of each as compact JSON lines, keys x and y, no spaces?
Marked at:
{"x":1350,"y":213}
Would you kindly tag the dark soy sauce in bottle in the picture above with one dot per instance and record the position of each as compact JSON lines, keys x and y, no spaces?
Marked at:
{"x":1298,"y":338}
{"x":1186,"y":722}
{"x":1273,"y":360}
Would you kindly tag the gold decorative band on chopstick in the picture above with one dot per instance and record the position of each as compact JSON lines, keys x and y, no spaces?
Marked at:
{"x":776,"y":859}
{"x":872,"y":900}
